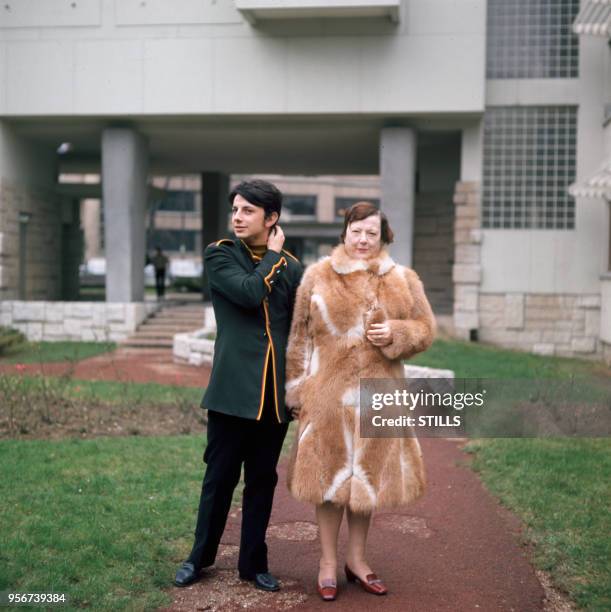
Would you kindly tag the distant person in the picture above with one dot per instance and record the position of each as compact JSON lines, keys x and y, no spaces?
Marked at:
{"x":160,"y":263}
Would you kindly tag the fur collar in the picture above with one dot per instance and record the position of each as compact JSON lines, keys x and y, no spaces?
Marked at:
{"x":343,"y":264}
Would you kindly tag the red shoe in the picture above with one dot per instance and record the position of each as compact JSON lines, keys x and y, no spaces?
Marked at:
{"x":328,"y":589}
{"x":372,"y":583}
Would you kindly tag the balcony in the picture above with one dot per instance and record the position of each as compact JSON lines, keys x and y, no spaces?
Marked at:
{"x":259,"y":10}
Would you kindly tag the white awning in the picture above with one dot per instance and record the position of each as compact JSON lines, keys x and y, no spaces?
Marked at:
{"x":597,"y":186}
{"x":594,"y":18}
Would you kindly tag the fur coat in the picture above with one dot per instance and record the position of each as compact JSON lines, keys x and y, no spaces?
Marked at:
{"x":327,"y":354}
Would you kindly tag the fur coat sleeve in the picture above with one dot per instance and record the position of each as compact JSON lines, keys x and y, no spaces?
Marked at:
{"x":416,"y":333}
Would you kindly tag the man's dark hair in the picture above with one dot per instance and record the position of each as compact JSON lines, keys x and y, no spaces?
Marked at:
{"x":259,"y":193}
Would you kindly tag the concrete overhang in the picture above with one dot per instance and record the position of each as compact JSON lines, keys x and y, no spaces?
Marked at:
{"x":258,"y":10}
{"x":296,"y":145}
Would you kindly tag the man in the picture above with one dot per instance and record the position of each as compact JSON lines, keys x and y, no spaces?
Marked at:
{"x":160,"y":263}
{"x":252,"y":285}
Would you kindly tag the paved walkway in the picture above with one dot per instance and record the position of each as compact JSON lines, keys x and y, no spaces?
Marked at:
{"x":125,"y":365}
{"x":456,"y":549}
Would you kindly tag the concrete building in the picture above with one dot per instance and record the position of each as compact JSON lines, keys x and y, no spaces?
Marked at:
{"x":476,"y":116}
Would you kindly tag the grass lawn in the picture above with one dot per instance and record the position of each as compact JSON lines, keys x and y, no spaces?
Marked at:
{"x":107,"y":391}
{"x":560,"y":488}
{"x":44,"y":352}
{"x":105,"y":521}
{"x":472,"y":360}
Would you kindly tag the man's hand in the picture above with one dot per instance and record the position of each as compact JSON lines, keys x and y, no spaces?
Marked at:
{"x":275,"y":240}
{"x":379,"y":334}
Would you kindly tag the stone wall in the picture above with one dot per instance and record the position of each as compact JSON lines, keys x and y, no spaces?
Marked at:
{"x":78,"y":321}
{"x":467,"y":271}
{"x":43,"y":251}
{"x":547,"y":324}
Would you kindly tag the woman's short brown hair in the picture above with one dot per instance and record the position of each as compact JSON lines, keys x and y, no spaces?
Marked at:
{"x":362,"y":210}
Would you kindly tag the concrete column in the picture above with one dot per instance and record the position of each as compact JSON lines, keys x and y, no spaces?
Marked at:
{"x":124,"y":189}
{"x":397,"y":178}
{"x":472,"y":151}
{"x":215,"y":208}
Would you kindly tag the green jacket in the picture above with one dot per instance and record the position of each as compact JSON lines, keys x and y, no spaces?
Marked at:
{"x":253,"y":301}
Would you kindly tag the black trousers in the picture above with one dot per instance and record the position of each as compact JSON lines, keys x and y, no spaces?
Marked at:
{"x":233,"y":441}
{"x":160,"y":282}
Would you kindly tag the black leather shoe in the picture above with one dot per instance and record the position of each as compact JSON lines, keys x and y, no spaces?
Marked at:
{"x":186,"y":574}
{"x":266,"y":582}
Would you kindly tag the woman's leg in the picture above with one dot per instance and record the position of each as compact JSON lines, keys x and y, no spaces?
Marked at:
{"x":358,"y":527}
{"x":329,"y":519}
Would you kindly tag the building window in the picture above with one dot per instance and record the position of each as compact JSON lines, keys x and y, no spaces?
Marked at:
{"x":529,"y":162}
{"x":172,"y":240}
{"x":299,"y":207}
{"x":178,"y":201}
{"x":343,"y":204}
{"x":532,"y":39}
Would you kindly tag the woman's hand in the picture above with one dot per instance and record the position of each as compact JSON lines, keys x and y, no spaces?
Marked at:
{"x":379,"y":334}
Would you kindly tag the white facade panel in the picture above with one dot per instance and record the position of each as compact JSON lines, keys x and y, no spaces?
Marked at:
{"x":250,"y":75}
{"x":172,"y":66}
{"x":471,"y":152}
{"x":50,"y":13}
{"x":40,"y":76}
{"x":546,"y":261}
{"x":324,"y":74}
{"x":424,"y":74}
{"x":109,"y":77}
{"x":156,"y":12}
{"x":446,"y":17}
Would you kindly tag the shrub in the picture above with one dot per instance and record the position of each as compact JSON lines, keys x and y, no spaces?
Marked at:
{"x":10,"y":339}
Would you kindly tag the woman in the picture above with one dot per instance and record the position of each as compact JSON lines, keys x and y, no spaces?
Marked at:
{"x":357,"y":315}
